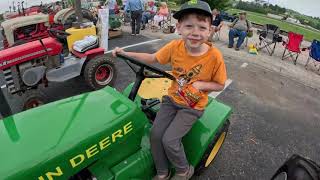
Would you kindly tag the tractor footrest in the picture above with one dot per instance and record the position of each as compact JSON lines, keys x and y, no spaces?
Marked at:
{"x":71,"y":68}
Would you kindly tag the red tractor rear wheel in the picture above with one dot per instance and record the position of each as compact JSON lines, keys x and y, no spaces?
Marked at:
{"x":100,"y":72}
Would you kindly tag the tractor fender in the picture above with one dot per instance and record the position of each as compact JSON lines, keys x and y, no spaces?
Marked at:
{"x":71,"y":12}
{"x":205,"y":129}
{"x":92,"y":54}
{"x":58,"y":17}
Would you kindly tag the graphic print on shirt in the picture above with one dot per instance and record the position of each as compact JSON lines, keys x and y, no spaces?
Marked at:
{"x":186,"y":91}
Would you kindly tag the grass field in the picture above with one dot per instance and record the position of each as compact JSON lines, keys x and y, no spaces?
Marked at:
{"x":309,"y":34}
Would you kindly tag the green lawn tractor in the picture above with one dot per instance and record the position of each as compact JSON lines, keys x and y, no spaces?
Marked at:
{"x":101,"y":135}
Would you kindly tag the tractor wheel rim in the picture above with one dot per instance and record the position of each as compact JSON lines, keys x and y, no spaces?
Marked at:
{"x":104,"y":74}
{"x":32,"y":103}
{"x":215,"y":149}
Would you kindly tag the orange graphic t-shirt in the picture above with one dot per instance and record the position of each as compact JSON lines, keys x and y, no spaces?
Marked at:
{"x":187,"y":69}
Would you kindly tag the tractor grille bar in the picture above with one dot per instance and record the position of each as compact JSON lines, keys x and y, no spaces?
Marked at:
{"x":9,"y":80}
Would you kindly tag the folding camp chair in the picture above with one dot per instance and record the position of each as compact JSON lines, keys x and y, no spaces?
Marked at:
{"x":293,"y":46}
{"x":125,"y":17}
{"x":216,"y":35}
{"x":314,"y":53}
{"x":269,"y":36}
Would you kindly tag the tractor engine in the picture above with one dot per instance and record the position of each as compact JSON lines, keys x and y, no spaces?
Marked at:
{"x":25,"y":66}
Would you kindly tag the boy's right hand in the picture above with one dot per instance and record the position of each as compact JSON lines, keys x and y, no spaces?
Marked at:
{"x":116,"y":51}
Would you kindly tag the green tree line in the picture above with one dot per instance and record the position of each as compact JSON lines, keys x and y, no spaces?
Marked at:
{"x":218,"y":4}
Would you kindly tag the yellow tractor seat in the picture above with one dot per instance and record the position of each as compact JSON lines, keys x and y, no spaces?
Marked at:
{"x":154,"y":88}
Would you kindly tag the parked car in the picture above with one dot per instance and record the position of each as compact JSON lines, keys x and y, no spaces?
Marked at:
{"x":227,"y":17}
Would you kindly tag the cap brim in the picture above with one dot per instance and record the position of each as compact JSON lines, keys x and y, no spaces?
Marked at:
{"x":178,"y":14}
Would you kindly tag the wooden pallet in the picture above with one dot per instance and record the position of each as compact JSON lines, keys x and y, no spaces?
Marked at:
{"x":114,"y":33}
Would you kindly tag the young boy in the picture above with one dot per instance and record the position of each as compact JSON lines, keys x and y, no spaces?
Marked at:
{"x":199,"y":68}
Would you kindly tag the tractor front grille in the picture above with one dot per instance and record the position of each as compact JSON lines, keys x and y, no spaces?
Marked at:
{"x":9,"y":80}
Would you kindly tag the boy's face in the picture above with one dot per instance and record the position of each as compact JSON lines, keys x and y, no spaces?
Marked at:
{"x":193,"y":31}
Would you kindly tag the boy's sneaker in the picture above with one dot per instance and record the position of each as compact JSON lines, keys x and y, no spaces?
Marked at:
{"x":186,"y":176}
{"x":229,"y":46}
{"x":237,"y":49}
{"x":162,"y":178}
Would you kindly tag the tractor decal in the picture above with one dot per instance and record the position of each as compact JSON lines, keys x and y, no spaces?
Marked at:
{"x":90,"y":152}
{"x":4,"y":63}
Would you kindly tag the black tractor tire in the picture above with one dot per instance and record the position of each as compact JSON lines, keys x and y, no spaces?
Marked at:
{"x":33,"y":98}
{"x":213,"y":149}
{"x":100,"y":72}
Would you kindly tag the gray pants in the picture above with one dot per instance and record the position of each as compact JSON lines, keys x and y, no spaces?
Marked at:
{"x":136,"y":17}
{"x":173,"y":121}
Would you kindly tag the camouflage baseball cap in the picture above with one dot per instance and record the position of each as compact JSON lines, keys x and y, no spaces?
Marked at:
{"x":193,"y":6}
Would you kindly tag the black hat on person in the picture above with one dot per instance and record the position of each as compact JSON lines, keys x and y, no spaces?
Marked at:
{"x":193,"y":6}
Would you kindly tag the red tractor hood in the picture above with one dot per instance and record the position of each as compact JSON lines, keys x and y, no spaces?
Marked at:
{"x":31,"y":50}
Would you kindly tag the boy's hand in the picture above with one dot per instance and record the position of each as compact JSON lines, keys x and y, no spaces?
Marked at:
{"x":117,"y":50}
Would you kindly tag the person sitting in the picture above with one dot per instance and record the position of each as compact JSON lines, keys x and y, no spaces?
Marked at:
{"x":162,"y":14}
{"x":239,"y":28}
{"x":150,"y":12}
{"x":217,"y":23}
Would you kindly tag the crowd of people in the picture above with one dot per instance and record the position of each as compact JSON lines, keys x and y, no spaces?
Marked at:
{"x":240,"y":28}
{"x":142,"y":12}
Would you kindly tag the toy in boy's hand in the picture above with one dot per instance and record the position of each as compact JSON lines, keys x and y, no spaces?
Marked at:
{"x":190,"y":94}
{"x":253,"y":49}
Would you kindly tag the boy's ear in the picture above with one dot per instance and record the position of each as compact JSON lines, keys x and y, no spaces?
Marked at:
{"x":178,"y":26}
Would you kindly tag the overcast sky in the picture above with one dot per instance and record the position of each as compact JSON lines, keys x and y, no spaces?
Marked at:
{"x":4,"y":4}
{"x":308,"y":7}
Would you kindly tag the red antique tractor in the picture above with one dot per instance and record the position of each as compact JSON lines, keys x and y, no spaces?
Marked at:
{"x":26,"y":66}
{"x":28,"y":28}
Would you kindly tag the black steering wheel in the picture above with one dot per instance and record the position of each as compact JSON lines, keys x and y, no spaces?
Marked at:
{"x":141,"y":74}
{"x":160,"y":73}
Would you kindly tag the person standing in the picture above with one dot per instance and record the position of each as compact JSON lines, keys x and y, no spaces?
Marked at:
{"x":136,"y":8}
{"x":112,"y":4}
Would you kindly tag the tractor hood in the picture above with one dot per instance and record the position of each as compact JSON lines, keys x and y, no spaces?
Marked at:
{"x":60,"y":138}
{"x":31,"y":50}
{"x":10,"y":25}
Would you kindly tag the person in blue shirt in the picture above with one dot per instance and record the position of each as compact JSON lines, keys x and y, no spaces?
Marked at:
{"x":136,"y":8}
{"x":112,"y":4}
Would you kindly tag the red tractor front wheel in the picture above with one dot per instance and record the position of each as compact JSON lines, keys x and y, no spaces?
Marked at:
{"x":100,"y":72}
{"x":33,"y":98}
